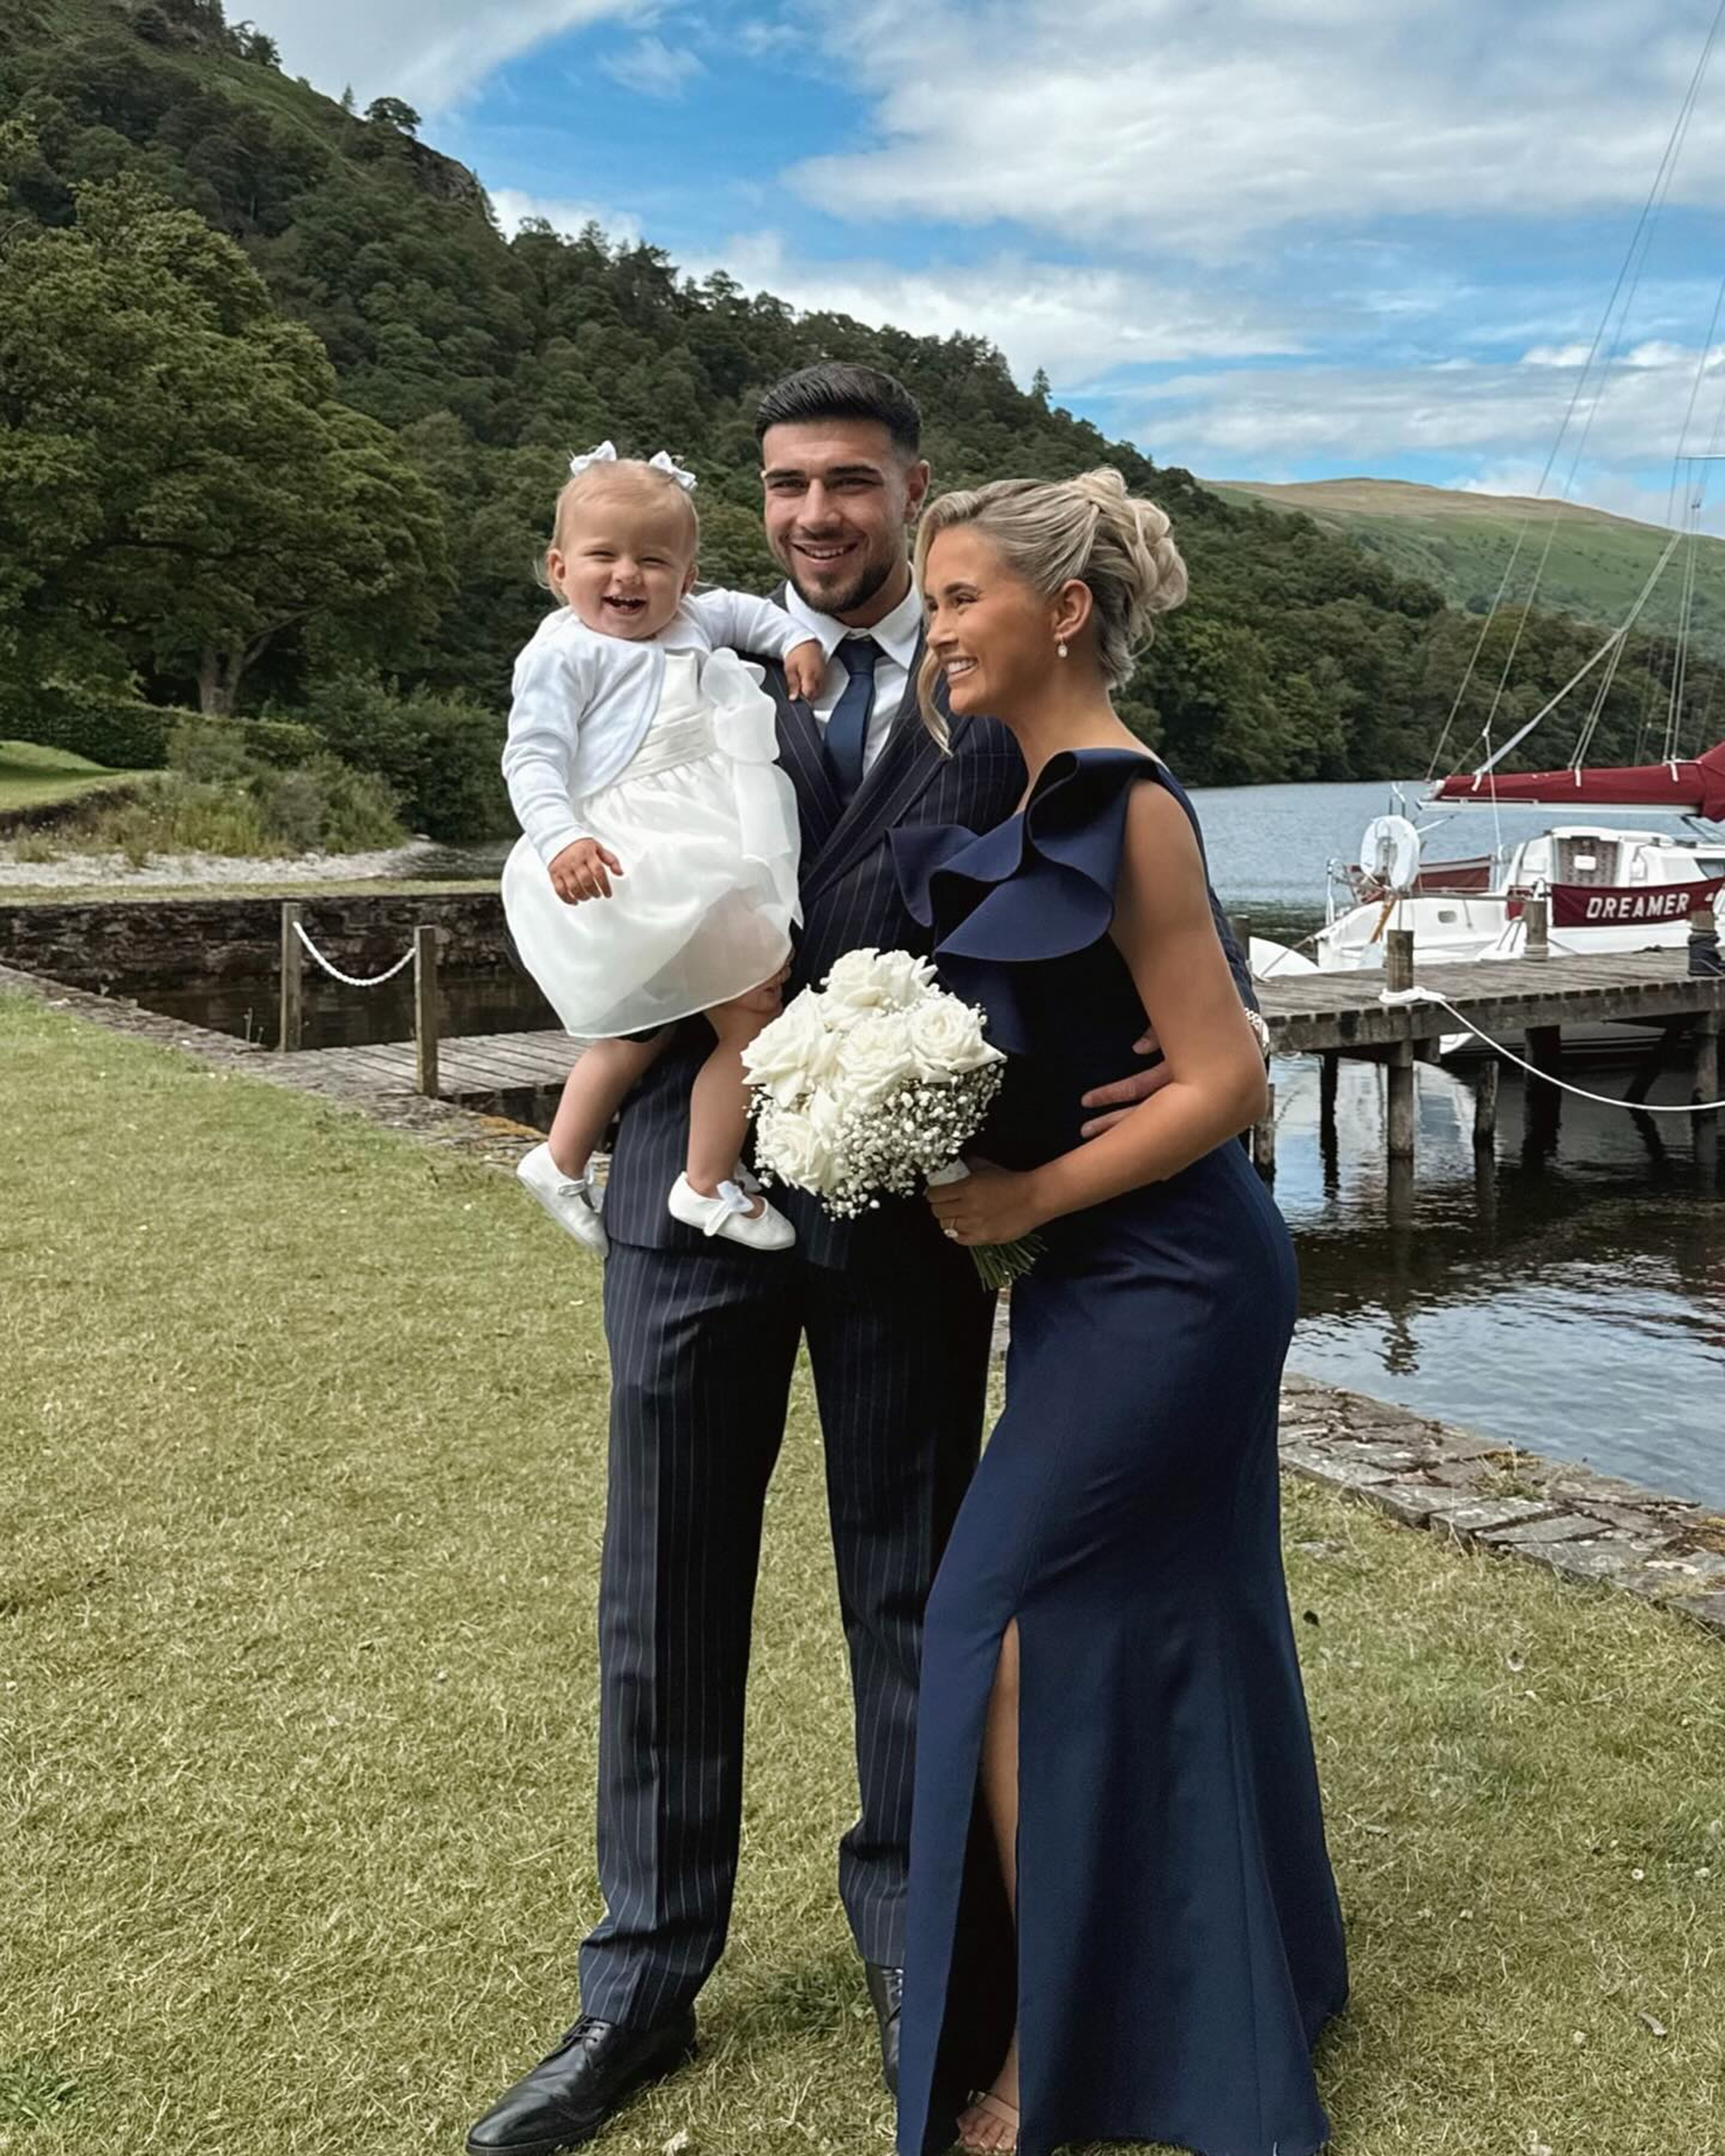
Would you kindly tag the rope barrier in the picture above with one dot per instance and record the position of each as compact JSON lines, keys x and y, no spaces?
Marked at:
{"x":1397,"y":998}
{"x":350,"y":980}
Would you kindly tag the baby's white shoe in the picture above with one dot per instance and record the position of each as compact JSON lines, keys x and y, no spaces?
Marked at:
{"x":571,"y":1200}
{"x":731,"y":1213}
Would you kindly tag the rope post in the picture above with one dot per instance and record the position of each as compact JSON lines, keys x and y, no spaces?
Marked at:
{"x":291,"y":1029}
{"x":1485,"y":1105}
{"x":1536,"y":919}
{"x":1241,"y":924}
{"x":1704,"y":957}
{"x":427,"y":1011}
{"x":1263,"y":1146}
{"x":1399,"y":960}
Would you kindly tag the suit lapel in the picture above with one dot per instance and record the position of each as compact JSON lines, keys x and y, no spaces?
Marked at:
{"x":898,"y":776}
{"x":803,"y":755}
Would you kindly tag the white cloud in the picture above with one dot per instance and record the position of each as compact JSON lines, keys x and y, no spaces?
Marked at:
{"x":514,"y":209}
{"x":654,"y":69}
{"x":429,"y":52}
{"x":1237,"y":422}
{"x":1076,"y":320}
{"x":1167,"y":127}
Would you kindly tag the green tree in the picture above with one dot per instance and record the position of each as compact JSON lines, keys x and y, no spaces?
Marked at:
{"x":392,"y":112}
{"x":180,"y":487}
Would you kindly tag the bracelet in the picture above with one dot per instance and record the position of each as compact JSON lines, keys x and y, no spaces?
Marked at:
{"x":1261,"y":1031}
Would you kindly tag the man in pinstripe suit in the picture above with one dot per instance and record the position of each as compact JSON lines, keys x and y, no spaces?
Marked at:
{"x":704,"y":1336}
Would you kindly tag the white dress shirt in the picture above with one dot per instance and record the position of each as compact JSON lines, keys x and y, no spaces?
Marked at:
{"x":897,"y":633}
{"x":583,"y":702}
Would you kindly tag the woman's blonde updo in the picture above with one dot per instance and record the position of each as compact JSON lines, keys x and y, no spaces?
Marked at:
{"x":1088,"y":529}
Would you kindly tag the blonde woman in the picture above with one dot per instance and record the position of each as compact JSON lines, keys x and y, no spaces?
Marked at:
{"x":1122,"y":1923}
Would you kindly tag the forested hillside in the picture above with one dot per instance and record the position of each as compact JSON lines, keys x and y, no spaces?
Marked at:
{"x":282,"y":413}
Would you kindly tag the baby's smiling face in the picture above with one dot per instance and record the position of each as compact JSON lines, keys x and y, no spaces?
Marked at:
{"x":623,"y":557}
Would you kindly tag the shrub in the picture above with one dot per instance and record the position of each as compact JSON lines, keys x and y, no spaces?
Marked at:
{"x":208,"y":747}
{"x":118,"y":732}
{"x":439,"y":753}
{"x":323,"y":805}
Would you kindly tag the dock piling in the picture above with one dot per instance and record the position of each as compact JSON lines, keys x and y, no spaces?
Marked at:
{"x":1536,"y":919}
{"x":1401,"y":1117}
{"x":1485,"y":1105}
{"x":290,"y":1031}
{"x":1708,"y":1062}
{"x":427,"y":1011}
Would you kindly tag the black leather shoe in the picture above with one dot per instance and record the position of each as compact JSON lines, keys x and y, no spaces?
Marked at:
{"x":886,"y":1995}
{"x":570,"y":2095}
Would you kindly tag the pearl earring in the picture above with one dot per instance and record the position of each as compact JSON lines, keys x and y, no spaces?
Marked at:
{"x":1060,"y":648}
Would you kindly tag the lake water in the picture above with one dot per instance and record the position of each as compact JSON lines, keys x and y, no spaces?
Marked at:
{"x":1572,"y":1301}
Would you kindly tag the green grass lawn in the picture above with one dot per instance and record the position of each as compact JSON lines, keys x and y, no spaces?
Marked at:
{"x":301,"y":1473}
{"x":31,"y":777}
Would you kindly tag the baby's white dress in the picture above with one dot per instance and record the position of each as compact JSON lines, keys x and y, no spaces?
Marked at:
{"x":699,"y":814}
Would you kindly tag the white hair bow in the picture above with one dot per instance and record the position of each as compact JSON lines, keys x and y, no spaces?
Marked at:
{"x":661,"y":461}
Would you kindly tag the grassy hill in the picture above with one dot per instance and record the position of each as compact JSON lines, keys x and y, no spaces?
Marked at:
{"x":1462,"y":542}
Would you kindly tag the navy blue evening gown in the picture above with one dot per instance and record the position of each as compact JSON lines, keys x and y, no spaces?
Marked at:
{"x":1179,"y":1942}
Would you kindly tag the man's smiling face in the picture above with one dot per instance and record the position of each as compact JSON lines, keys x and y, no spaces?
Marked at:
{"x":839,"y":496}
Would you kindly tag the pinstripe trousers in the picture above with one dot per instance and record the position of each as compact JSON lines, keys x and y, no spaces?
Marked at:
{"x":703,"y":1345}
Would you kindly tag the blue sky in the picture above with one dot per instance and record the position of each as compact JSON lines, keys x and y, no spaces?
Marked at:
{"x":1275,"y":240}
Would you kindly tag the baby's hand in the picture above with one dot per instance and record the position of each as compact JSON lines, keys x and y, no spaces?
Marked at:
{"x":583,"y":870}
{"x":805,"y":669}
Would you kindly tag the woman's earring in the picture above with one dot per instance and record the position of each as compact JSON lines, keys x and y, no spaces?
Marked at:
{"x":1060,"y":648}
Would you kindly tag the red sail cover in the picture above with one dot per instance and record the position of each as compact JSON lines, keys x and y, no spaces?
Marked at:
{"x":1694,"y":786}
{"x":1619,"y":905}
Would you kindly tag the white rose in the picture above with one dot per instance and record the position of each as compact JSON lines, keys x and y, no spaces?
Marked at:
{"x":877,"y":980}
{"x":877,"y":1056}
{"x":946,"y":1038}
{"x":793,"y":1054}
{"x":824,"y":1115}
{"x":792,"y":1148}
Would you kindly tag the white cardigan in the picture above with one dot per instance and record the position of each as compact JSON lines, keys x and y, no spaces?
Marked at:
{"x":582,"y":702}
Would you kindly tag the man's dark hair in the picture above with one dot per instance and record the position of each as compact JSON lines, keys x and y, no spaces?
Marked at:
{"x":838,"y":389}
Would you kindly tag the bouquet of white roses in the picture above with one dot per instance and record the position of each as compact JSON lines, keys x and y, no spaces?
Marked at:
{"x":871,"y":1086}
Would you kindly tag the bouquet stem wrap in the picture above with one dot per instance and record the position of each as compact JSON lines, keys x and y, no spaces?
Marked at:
{"x":998,"y":1265}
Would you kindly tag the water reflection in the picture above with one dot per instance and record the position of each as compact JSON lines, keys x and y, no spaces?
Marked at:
{"x":1570,"y":1295}
{"x":488,"y":1001}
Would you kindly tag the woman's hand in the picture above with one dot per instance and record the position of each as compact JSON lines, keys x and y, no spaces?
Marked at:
{"x":805,"y":669}
{"x":583,"y":870}
{"x":991,"y":1205}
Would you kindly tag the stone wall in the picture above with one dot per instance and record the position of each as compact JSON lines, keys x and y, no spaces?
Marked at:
{"x":132,"y":945}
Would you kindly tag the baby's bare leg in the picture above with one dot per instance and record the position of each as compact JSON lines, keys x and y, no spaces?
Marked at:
{"x":719,"y":1104}
{"x":592,"y":1095}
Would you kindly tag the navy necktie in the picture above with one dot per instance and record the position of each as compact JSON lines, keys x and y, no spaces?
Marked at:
{"x":848,"y":728}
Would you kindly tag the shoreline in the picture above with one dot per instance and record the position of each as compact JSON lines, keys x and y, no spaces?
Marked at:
{"x":97,"y":875}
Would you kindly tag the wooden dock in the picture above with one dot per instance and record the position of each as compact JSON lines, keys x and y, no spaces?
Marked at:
{"x":1316,"y":1014}
{"x":1521,"y":1004}
{"x":1524,"y":1005}
{"x":473,"y":1069}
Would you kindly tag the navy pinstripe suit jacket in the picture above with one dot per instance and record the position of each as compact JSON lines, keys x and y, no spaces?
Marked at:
{"x":850,"y":898}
